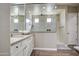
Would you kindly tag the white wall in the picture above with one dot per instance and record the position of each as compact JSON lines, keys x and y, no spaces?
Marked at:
{"x":45,"y":40}
{"x":4,"y":29}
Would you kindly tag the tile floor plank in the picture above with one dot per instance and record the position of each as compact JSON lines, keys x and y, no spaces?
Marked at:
{"x":54,"y":53}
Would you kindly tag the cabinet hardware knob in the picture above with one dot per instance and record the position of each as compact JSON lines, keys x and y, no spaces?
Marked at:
{"x":16,"y":46}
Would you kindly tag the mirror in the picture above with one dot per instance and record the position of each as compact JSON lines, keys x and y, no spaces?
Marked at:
{"x":17,"y":16}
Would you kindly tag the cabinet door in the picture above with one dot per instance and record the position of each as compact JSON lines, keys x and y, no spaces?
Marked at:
{"x":25,"y":51}
{"x":26,"y":48}
{"x":19,"y":53}
{"x":31,"y":44}
{"x":15,"y":48}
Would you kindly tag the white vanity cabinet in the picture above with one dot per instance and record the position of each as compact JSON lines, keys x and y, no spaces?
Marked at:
{"x":23,"y":47}
{"x":28,"y":46}
{"x":16,"y":48}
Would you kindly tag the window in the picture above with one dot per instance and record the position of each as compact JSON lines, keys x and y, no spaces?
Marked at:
{"x":27,"y":20}
{"x":45,"y":23}
{"x":15,"y":20}
{"x":36,"y":20}
{"x":48,"y":20}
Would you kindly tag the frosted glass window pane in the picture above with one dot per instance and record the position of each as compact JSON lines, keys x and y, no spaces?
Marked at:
{"x":27,"y":20}
{"x":48,"y":20}
{"x":15,"y":20}
{"x":36,"y":20}
{"x":46,"y":23}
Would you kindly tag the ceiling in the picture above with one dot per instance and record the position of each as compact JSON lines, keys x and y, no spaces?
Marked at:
{"x":68,"y":4}
{"x":38,"y":8}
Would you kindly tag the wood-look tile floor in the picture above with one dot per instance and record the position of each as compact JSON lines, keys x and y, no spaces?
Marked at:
{"x":54,"y":53}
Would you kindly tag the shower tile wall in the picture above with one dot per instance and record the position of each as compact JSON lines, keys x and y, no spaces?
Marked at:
{"x":72,"y":28}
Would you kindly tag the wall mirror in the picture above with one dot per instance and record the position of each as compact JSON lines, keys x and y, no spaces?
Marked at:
{"x":17,"y":16}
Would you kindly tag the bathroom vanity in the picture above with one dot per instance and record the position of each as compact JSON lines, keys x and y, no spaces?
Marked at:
{"x":21,"y":45}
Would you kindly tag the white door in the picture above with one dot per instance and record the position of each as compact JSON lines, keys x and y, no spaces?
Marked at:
{"x":72,"y":28}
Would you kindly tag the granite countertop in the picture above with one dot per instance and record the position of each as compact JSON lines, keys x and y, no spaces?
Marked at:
{"x":18,"y":38}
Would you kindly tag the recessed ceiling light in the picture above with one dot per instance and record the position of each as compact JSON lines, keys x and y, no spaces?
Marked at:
{"x":55,"y":7}
{"x":44,"y":7}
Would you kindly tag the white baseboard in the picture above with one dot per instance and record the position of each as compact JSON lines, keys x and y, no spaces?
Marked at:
{"x":51,"y":49}
{"x":46,"y":49}
{"x":4,"y":54}
{"x":64,"y":49}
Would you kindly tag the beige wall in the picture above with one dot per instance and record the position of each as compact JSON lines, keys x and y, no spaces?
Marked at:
{"x":4,"y":29}
{"x":78,"y":25}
